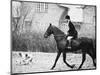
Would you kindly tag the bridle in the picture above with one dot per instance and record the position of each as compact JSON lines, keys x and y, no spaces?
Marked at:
{"x":60,"y":35}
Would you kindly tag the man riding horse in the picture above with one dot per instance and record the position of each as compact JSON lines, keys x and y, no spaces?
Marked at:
{"x":84,"y":44}
{"x":71,"y":33}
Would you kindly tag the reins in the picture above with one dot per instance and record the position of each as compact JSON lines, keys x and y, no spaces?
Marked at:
{"x":60,"y":35}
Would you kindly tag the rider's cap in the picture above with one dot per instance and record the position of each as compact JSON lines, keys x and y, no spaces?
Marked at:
{"x":67,"y":17}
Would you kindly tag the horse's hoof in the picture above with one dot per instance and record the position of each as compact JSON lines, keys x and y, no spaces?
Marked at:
{"x":78,"y":69}
{"x":73,"y":66}
{"x":51,"y":68}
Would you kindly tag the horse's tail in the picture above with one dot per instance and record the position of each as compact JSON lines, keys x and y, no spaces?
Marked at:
{"x":94,"y":51}
{"x":92,"y":48}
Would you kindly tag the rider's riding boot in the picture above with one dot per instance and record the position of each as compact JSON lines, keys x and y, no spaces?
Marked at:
{"x":69,"y":45}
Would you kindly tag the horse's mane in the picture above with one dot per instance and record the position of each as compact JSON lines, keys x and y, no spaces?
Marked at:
{"x":58,"y":30}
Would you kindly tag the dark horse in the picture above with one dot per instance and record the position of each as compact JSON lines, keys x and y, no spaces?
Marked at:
{"x":84,"y":44}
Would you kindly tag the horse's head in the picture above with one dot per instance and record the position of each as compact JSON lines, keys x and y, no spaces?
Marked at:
{"x":49,"y":31}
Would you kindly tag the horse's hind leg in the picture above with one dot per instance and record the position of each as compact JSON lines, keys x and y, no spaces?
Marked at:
{"x":64,"y":59}
{"x":83,"y":59}
{"x":93,"y":58}
{"x":58,"y":55}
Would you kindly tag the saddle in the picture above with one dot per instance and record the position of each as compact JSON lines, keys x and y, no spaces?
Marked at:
{"x":73,"y":42}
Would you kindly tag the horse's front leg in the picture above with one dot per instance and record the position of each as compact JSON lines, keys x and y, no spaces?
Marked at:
{"x":58,"y":55}
{"x":64,"y":59}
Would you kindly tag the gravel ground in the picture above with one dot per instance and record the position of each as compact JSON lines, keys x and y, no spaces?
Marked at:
{"x":42,"y":62}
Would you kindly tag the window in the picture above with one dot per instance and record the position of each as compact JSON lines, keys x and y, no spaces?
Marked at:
{"x":28,"y":25}
{"x":41,"y":7}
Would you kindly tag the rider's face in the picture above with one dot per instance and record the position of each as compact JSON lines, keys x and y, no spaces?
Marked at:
{"x":67,"y":20}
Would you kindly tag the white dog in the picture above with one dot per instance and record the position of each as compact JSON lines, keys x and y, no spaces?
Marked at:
{"x":25,"y":59}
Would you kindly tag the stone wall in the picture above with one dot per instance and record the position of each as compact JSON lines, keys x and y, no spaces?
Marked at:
{"x":89,"y":22}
